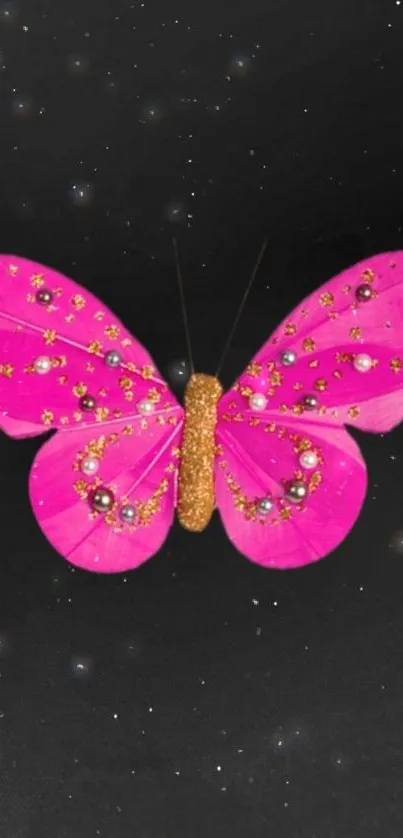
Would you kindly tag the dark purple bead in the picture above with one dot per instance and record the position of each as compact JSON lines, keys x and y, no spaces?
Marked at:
{"x":363,"y":293}
{"x":102,"y":499}
{"x":87,"y":403}
{"x":310,"y":402}
{"x":44,"y":297}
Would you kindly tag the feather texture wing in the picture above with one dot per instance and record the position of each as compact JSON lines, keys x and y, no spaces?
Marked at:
{"x":104,"y":487}
{"x":337,"y":359}
{"x":136,"y":466}
{"x":55,"y":341}
{"x":259,"y":460}
{"x":347,"y":338}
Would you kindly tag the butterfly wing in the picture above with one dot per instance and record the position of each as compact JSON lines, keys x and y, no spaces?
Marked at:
{"x":118,"y":424}
{"x":137,"y":464}
{"x":74,"y":332}
{"x":337,"y":359}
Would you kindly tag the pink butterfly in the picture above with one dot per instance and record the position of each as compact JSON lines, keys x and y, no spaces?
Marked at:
{"x":272,"y":454}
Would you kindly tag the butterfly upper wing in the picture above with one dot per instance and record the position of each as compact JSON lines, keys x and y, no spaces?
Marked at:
{"x":136,"y":452}
{"x":74,"y":331}
{"x":357,"y":315}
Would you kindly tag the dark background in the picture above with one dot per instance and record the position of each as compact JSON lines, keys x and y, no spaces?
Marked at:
{"x":201,"y":695}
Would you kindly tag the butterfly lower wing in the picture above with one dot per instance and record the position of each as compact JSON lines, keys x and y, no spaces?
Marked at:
{"x":258,"y":458}
{"x":344,"y":345}
{"x":55,"y":342}
{"x":136,"y":464}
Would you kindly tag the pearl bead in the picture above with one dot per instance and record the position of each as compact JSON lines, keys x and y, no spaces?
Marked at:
{"x":310,"y":402}
{"x":308,"y":459}
{"x":87,"y":403}
{"x":363,"y":293}
{"x":288,"y":358}
{"x":265,"y":506}
{"x":257,"y":401}
{"x":112,"y":358}
{"x":90,"y":465}
{"x":42,"y":364}
{"x":296,"y":491}
{"x":44,"y":297}
{"x":127,"y":513}
{"x":103,"y":499}
{"x":362,"y":362}
{"x":146,"y":406}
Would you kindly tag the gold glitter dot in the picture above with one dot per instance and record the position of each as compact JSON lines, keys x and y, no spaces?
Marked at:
{"x":254,"y":369}
{"x":396,"y":365}
{"x":353,"y":412}
{"x":78,"y":302}
{"x":37,"y":280}
{"x":47,"y":417}
{"x":368,"y":275}
{"x":79,"y":389}
{"x":308,"y":345}
{"x":112,"y":332}
{"x":326,"y":299}
{"x":95,"y":347}
{"x":49,"y":337}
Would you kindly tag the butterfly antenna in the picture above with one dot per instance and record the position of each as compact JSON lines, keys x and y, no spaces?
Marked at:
{"x":183,"y":304}
{"x":242,"y":305}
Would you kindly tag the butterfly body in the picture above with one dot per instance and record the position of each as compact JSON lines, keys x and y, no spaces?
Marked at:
{"x":196,"y":499}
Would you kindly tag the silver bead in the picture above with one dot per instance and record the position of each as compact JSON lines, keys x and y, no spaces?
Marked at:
{"x":296,"y":491}
{"x":257,"y":401}
{"x":309,"y":459}
{"x":265,"y":506}
{"x":102,"y":499}
{"x":288,"y":358}
{"x":363,"y":293}
{"x":146,"y":406}
{"x":90,"y":465}
{"x":362,"y":362}
{"x":310,"y":402}
{"x":42,"y":364}
{"x":127,"y":513}
{"x":112,"y":358}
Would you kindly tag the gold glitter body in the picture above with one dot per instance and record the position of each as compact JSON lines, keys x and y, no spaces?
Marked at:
{"x":196,"y":499}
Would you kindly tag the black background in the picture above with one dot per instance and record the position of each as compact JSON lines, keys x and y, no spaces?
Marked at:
{"x":200,"y":695}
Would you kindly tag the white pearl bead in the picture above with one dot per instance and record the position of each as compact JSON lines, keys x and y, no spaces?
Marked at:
{"x":308,"y":459}
{"x":288,"y":357}
{"x":90,"y":465}
{"x":362,"y":362}
{"x":42,"y":364}
{"x":146,"y":406}
{"x":127,"y":513}
{"x":257,"y":401}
